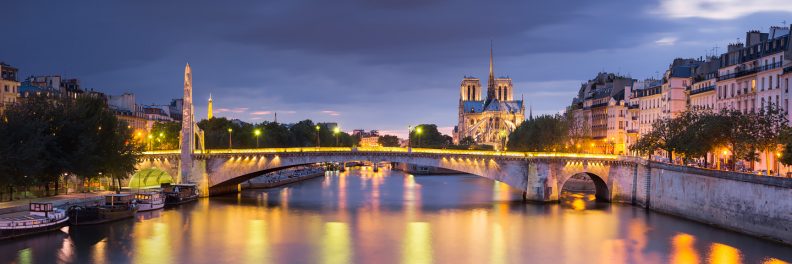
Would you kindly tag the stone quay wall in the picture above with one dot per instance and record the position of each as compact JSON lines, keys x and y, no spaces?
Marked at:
{"x":746,"y":203}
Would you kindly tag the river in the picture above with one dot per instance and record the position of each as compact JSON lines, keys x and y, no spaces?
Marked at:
{"x":361,"y":216}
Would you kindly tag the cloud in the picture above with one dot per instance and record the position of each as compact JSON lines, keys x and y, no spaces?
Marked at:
{"x":237,"y":110}
{"x":721,"y":9}
{"x":666,"y":41}
{"x":331,"y":113}
{"x":261,"y":113}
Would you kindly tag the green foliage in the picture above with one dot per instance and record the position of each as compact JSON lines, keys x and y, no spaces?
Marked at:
{"x":164,"y":135}
{"x":427,"y":136}
{"x":43,"y":138}
{"x":694,"y":134}
{"x":300,"y":134}
{"x":388,"y":141}
{"x":543,"y":133}
{"x":467,"y":141}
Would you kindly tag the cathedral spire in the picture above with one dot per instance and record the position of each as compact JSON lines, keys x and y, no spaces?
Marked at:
{"x":491,"y":80}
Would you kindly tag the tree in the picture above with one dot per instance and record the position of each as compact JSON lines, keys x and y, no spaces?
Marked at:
{"x":165,"y":135}
{"x":388,"y":141}
{"x":664,"y":135}
{"x":429,"y":137}
{"x":543,"y":133}
{"x":467,"y":142}
{"x":578,"y":127}
{"x":41,"y":138}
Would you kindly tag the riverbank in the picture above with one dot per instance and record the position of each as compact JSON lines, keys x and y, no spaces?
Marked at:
{"x":57,"y":201}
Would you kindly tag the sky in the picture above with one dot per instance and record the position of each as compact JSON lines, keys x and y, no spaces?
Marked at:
{"x":364,"y":64}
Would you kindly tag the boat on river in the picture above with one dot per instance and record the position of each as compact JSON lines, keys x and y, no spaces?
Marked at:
{"x":176,"y":194}
{"x":116,"y":207}
{"x":149,"y":201}
{"x":43,"y":217}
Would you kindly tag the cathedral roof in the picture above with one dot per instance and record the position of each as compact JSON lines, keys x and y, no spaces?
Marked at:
{"x":494,"y":106}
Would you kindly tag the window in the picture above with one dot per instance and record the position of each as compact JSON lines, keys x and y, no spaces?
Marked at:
{"x":761,"y":87}
{"x":778,"y":82}
{"x":770,"y":82}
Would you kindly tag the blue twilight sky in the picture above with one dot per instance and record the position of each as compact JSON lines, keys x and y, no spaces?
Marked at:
{"x":381,"y":64}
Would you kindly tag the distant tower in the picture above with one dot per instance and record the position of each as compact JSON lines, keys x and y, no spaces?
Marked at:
{"x":209,"y":113}
{"x":276,"y":117}
{"x":187,"y":132}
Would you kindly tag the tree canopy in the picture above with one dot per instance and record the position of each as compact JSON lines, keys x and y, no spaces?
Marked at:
{"x":43,"y":138}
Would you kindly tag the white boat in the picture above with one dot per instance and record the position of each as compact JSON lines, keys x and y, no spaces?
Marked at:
{"x":43,"y":217}
{"x":149,"y":201}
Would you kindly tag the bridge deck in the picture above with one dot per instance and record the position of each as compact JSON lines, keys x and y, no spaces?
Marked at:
{"x":393,"y":150}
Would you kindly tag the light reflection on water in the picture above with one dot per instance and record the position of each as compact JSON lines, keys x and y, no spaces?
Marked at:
{"x":361,"y":216}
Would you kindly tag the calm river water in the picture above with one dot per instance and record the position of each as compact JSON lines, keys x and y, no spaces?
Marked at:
{"x":360,"y":216}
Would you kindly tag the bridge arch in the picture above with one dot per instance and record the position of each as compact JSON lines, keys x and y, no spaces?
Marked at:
{"x":229,"y":170}
{"x":602,"y":191}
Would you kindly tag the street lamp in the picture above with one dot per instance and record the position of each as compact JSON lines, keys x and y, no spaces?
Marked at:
{"x":149,"y":140}
{"x":503,"y":140}
{"x":336,"y":131}
{"x":409,"y":146}
{"x":229,"y":137}
{"x":418,"y":131}
{"x":318,"y":144}
{"x":257,"y":132}
{"x":778,"y":163}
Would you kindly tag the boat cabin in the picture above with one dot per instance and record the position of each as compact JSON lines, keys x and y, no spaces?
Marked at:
{"x":118,"y":199}
{"x":147,"y":196}
{"x":41,"y":209}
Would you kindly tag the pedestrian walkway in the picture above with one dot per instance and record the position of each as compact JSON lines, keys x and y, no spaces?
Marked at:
{"x":59,"y":200}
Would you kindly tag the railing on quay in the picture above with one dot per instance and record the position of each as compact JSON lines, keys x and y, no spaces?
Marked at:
{"x":391,"y":150}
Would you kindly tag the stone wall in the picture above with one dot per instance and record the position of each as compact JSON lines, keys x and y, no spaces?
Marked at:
{"x":756,"y":205}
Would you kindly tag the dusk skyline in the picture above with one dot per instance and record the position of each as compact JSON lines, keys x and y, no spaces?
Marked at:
{"x":364,"y":65}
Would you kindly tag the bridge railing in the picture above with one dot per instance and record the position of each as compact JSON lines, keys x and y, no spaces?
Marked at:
{"x":393,"y":150}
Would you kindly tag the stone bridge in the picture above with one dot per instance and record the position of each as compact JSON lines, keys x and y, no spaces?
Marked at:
{"x":539,"y":175}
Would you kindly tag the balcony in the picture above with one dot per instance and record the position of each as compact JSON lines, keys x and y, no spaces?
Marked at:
{"x":702,"y":89}
{"x":738,"y":74}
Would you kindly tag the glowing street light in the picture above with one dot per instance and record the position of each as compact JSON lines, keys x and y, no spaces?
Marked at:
{"x":418,"y":131}
{"x":318,"y":143}
{"x":336,"y":131}
{"x":503,"y":140}
{"x":149,"y":141}
{"x":229,"y":137}
{"x":257,"y":132}
{"x":409,"y":145}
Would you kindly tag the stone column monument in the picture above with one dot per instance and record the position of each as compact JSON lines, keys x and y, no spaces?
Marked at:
{"x":187,"y":134}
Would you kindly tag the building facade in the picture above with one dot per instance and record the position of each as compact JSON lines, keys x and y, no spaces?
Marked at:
{"x":602,"y":111}
{"x":488,"y":120}
{"x":9,"y":86}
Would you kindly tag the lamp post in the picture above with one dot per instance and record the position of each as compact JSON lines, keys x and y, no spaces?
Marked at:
{"x":318,"y":143}
{"x":161,"y":139}
{"x":418,"y":131}
{"x":336,"y":131}
{"x":778,"y":164}
{"x":229,"y":137}
{"x":257,"y":132}
{"x":149,"y":141}
{"x":409,"y":146}
{"x":503,"y":140}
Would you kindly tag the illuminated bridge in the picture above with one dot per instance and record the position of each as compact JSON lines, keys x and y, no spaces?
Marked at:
{"x":539,"y":175}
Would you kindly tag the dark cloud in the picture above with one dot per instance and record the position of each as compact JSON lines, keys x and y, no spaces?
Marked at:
{"x":374,"y":64}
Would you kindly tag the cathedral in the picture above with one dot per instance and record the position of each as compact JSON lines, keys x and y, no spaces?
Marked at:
{"x":488,"y":121}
